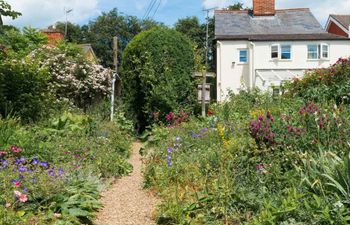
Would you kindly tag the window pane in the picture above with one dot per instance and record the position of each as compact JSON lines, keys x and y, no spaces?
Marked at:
{"x":286,"y":52}
{"x":274,"y":51}
{"x":243,"y":56}
{"x":312,"y":51}
{"x":324,"y":51}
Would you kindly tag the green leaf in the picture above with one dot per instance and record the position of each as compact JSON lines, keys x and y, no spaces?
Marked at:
{"x":78,"y":212}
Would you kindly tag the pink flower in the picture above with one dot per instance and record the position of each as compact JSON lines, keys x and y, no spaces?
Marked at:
{"x":8,"y":205}
{"x":57,"y":215}
{"x":15,"y":149}
{"x":21,"y":197}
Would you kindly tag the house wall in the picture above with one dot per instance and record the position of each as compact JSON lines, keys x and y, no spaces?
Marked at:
{"x":231,"y":76}
{"x":334,"y":29}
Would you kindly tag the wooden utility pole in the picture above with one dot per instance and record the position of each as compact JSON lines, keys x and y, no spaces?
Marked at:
{"x":115,"y":62}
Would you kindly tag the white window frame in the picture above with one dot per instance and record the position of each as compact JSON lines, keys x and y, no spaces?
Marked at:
{"x":320,"y":51}
{"x":317,"y":51}
{"x":239,"y":56}
{"x":278,"y":51}
{"x":290,"y":51}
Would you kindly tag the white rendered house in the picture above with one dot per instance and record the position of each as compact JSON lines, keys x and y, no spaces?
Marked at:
{"x":265,"y":47}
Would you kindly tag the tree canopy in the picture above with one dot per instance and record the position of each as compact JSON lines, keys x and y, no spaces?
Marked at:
{"x":6,"y":11}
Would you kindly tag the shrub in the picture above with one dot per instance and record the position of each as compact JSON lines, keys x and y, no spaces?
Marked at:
{"x":157,"y":72}
{"x":24,"y":90}
{"x":325,"y":84}
{"x":72,"y":78}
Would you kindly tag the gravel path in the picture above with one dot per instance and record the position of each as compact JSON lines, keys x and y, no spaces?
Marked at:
{"x":126,"y":203}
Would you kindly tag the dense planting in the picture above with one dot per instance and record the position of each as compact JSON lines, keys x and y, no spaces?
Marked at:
{"x":57,"y":150}
{"x":52,"y":172}
{"x":257,"y":160}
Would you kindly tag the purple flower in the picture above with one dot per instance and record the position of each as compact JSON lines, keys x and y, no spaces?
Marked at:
{"x":44,"y":164}
{"x":169,"y":161}
{"x":34,"y":180}
{"x":20,"y":161}
{"x":170,"y":150}
{"x":4,"y":163}
{"x":21,"y":177}
{"x":22,"y":169}
{"x":25,"y":190}
{"x":60,"y":171}
{"x":35,"y":161}
{"x":204,"y":130}
{"x":51,"y":173}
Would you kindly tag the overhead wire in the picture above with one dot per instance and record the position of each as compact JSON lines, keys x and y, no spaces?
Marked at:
{"x":149,"y":9}
{"x":159,"y":3}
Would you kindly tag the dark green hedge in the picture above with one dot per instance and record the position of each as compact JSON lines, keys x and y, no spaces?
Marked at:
{"x":157,"y":69}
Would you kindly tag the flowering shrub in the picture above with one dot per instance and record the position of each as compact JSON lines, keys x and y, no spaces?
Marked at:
{"x":324,"y":84}
{"x":73,"y":78}
{"x":261,"y":131}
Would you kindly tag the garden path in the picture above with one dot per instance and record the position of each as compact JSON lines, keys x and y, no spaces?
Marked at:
{"x":126,"y":203}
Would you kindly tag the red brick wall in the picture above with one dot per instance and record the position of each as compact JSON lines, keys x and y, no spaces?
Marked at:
{"x":54,"y":37}
{"x":264,"y":7}
{"x":334,"y":29}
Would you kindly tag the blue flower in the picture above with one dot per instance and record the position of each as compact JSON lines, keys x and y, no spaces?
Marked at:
{"x":35,"y":161}
{"x":60,"y":171}
{"x":22,"y":169}
{"x":204,"y":130}
{"x":170,"y":150}
{"x":51,"y":173}
{"x":44,"y":164}
{"x":20,"y":161}
{"x":4,"y":163}
{"x":169,"y":161}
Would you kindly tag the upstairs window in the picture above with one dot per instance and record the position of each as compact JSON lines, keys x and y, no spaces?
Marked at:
{"x":325,"y":51}
{"x":243,"y":56}
{"x":320,"y":51}
{"x":286,"y":52}
{"x":281,"y":51}
{"x":312,"y":52}
{"x":274,"y":52}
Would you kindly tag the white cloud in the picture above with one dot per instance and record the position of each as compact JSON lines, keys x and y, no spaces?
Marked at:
{"x":42,"y":13}
{"x":320,"y":8}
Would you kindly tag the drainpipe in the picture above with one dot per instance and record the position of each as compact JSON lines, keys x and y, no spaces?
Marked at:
{"x":219,"y":75}
{"x":251,"y":66}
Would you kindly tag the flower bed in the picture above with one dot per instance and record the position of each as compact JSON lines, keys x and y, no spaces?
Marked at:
{"x":55,"y":173}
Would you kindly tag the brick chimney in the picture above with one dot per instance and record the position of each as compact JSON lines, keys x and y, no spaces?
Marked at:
{"x":264,"y":7}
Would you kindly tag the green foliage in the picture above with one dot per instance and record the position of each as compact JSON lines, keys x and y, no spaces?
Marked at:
{"x":80,"y":152}
{"x":218,"y":171}
{"x":100,"y":34}
{"x":24,"y":90}
{"x":324,"y":84}
{"x":6,"y":10}
{"x":157,"y":75}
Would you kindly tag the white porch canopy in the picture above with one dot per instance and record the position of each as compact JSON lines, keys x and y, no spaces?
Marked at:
{"x":264,"y":79}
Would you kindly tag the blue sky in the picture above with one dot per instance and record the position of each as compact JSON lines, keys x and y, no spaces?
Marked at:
{"x":42,"y":13}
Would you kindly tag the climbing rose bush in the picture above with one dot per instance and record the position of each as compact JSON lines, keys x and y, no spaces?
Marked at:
{"x":73,"y":78}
